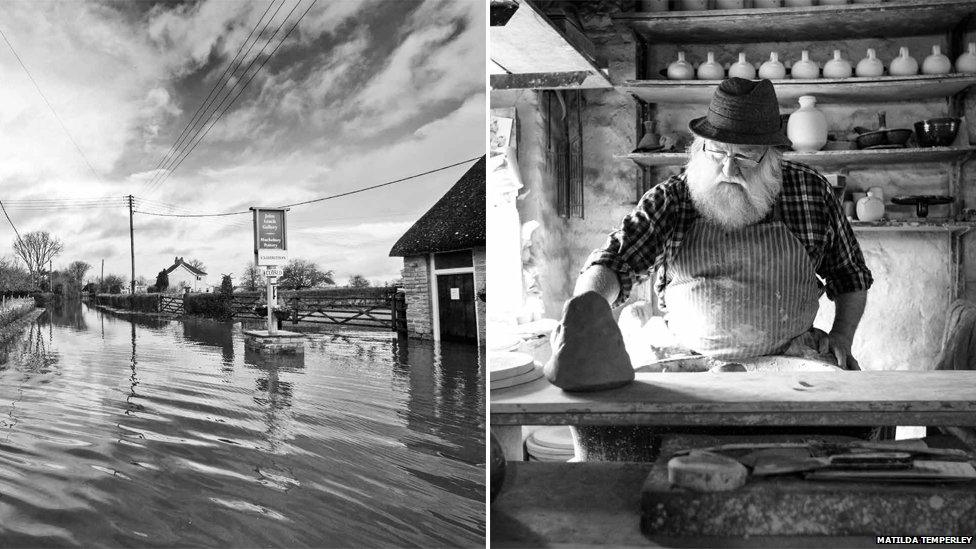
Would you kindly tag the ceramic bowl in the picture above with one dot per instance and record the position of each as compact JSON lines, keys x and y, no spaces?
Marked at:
{"x":937,"y":132}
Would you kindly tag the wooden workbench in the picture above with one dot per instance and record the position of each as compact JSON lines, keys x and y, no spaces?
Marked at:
{"x":938,"y":398}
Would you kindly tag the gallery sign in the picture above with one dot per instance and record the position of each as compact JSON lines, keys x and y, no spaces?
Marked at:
{"x":270,"y":236}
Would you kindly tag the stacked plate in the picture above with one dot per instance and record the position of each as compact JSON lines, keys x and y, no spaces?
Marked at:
{"x":510,"y":369}
{"x":550,"y":444}
{"x":502,"y":342}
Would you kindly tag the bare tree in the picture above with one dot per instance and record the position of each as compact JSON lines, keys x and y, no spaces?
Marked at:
{"x":77,"y":270}
{"x":301,"y":273}
{"x":37,"y":249}
{"x":197,"y":264}
{"x":358,"y":281}
{"x":253,"y":278}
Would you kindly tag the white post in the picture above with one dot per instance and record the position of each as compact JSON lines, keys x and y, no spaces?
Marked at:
{"x":272,"y":322}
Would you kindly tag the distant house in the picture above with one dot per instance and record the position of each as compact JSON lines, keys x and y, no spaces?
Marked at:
{"x":444,"y":264}
{"x":182,"y":275}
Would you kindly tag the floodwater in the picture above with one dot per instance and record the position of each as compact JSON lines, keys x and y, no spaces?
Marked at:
{"x":143,"y":432}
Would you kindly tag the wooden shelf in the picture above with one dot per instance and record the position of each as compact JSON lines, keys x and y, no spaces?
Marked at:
{"x":827,"y":90}
{"x":831,"y":159}
{"x":889,"y":19}
{"x":914,"y":225}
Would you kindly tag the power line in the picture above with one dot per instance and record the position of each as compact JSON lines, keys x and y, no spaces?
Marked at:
{"x":330,"y":197}
{"x":49,"y":106}
{"x":229,"y":105}
{"x":205,"y":104}
{"x":16,"y":232}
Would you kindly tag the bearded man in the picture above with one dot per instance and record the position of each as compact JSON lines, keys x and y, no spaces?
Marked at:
{"x":738,"y":242}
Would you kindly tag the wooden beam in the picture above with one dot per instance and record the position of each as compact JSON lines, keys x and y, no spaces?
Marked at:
{"x":540,"y":80}
{"x":751,"y":398}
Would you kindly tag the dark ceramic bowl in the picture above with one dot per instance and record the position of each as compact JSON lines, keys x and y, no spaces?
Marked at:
{"x":937,"y":132}
{"x":883,"y":138}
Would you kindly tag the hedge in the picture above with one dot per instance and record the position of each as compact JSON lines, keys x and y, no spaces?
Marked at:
{"x":212,"y":305}
{"x":15,"y":309}
{"x":147,"y":303}
{"x":41,"y":299}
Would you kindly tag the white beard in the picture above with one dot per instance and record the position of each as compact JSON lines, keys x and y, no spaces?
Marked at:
{"x":734,"y":203}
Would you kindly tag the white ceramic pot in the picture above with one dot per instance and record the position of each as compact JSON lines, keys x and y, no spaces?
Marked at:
{"x":711,"y":69}
{"x":742,"y":68}
{"x":936,"y":63}
{"x":904,"y":64}
{"x":967,"y":61}
{"x":681,"y":69}
{"x":870,"y":65}
{"x":650,"y":140}
{"x":870,"y":208}
{"x":805,"y":68}
{"x":772,"y":69}
{"x":838,"y":67}
{"x":807,"y":127}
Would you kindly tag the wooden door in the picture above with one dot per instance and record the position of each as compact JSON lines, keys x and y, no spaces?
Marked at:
{"x":455,"y":299}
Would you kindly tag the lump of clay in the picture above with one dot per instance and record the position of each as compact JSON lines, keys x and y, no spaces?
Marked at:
{"x":588,"y":348}
{"x":706,"y":472}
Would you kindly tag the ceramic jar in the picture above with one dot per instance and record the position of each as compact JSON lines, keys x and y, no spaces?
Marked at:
{"x":742,"y":68}
{"x":870,"y":65}
{"x":967,"y":61}
{"x":838,"y":67}
{"x":651,"y":140}
{"x":807,"y":127}
{"x":870,"y":208}
{"x":937,"y":63}
{"x":681,"y":69}
{"x":904,"y":64}
{"x":772,"y":69}
{"x":805,"y":68}
{"x":711,"y":69}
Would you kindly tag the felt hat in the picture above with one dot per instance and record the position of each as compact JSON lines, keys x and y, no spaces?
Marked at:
{"x":743,"y":112}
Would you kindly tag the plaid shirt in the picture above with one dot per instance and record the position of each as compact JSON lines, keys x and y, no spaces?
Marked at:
{"x":651,"y":235}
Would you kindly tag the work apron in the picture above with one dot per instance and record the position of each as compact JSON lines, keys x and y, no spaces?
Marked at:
{"x":730,"y":294}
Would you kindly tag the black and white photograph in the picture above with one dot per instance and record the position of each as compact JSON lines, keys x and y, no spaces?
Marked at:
{"x":242,"y":269}
{"x":732,"y":273}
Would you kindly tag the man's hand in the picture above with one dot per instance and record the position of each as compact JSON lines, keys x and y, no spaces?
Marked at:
{"x":835,"y":345}
{"x":819,"y":345}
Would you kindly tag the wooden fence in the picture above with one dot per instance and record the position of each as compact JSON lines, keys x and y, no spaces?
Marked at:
{"x":171,"y":304}
{"x":372,"y":309}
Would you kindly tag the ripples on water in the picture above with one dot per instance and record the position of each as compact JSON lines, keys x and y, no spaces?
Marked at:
{"x":146,"y":432}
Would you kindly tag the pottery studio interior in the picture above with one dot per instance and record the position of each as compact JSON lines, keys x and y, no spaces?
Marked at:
{"x":733,"y":270}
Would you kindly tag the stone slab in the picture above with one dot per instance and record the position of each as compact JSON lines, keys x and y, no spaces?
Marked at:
{"x":589,"y":504}
{"x":281,"y":334}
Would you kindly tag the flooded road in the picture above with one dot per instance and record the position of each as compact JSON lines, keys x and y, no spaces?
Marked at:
{"x":145,"y":432}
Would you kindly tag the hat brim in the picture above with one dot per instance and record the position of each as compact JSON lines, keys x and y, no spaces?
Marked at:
{"x":702,"y":128}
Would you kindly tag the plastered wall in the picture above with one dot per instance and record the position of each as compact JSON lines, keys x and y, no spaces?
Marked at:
{"x":904,"y":320}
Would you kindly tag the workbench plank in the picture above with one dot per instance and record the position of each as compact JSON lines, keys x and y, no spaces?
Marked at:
{"x":751,"y":398}
{"x":802,"y":23}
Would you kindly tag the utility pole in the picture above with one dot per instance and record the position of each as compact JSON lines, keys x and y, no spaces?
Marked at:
{"x":132,"y":250}
{"x":101,"y":279}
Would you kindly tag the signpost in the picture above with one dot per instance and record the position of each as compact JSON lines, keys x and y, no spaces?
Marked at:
{"x":271,"y":251}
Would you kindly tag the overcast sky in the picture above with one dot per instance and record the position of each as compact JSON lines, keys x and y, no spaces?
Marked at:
{"x":362,"y":92}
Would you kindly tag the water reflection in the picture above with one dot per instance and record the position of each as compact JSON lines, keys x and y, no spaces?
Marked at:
{"x":137,"y":431}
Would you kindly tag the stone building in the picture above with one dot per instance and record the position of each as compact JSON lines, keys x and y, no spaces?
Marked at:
{"x":444,"y":264}
{"x":182,"y":275}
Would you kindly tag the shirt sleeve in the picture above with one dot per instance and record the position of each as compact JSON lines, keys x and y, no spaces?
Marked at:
{"x":631,"y":250}
{"x":843,"y":266}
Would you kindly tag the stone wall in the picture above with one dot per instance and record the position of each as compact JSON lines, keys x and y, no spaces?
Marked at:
{"x":905,"y":315}
{"x":479,"y":285}
{"x":416,"y":286}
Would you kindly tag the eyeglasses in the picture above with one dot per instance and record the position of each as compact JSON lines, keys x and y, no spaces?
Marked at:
{"x":742,"y":160}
